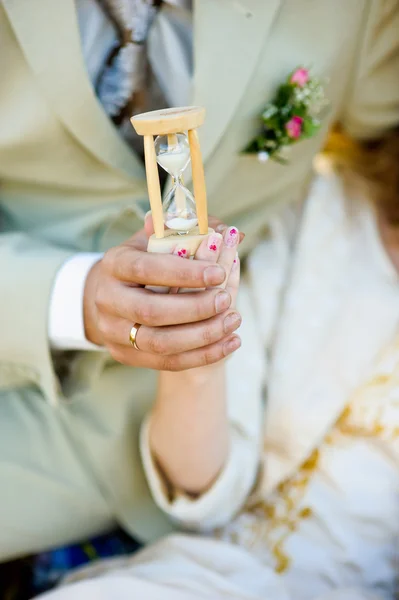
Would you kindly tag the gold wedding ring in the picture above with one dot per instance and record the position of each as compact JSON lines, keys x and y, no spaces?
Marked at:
{"x":133,"y":335}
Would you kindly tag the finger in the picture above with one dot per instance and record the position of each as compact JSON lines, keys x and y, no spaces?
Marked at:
{"x":228,"y":251}
{"x":139,"y":240}
{"x":233,"y":281}
{"x":209,"y":249}
{"x":221,"y":228}
{"x":130,"y":265}
{"x":182,"y":252}
{"x":202,"y":357}
{"x":170,"y":340}
{"x":138,"y":305}
{"x":177,"y":362}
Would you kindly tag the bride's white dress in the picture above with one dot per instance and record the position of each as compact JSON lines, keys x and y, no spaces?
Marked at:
{"x":320,"y":519}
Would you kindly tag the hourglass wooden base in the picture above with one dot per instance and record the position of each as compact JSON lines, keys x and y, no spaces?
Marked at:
{"x":169,"y":122}
{"x":173,"y":240}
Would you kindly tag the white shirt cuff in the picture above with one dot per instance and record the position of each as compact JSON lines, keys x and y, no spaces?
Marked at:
{"x":66,"y":323}
{"x":222,"y":501}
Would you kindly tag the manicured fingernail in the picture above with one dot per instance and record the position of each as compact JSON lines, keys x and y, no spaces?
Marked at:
{"x":214,"y":242}
{"x":231,"y":322}
{"x":222,"y":301}
{"x":214,"y":275}
{"x":231,"y":237}
{"x":231,"y":345}
{"x":147,"y":214}
{"x":182,"y":252}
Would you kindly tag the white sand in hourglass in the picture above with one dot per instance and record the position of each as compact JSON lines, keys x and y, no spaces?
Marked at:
{"x":174,"y":162}
{"x":173,"y":155}
{"x":179,"y":209}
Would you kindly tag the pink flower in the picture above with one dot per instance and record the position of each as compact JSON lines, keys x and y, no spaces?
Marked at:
{"x":300,"y":77}
{"x":294,"y":127}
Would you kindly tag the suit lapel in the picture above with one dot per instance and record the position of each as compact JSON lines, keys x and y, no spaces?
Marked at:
{"x":228,"y":39}
{"x":49,"y":36}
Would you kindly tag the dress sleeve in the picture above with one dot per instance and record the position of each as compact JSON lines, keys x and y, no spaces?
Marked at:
{"x":259,"y":300}
{"x":372,"y":104}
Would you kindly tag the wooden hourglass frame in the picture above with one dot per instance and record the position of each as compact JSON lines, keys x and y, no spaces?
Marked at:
{"x":170,"y":122}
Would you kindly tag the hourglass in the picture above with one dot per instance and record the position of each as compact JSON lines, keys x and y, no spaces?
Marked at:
{"x":182,"y":214}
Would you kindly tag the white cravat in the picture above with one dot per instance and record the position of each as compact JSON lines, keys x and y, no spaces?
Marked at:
{"x":98,"y":35}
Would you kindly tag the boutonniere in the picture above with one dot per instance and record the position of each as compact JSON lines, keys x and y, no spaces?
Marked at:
{"x":293,"y":115}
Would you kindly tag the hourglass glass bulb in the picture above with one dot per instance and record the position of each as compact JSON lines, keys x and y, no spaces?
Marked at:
{"x":179,"y":209}
{"x":173,"y":153}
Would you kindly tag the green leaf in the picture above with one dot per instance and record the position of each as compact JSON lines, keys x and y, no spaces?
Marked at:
{"x":300,"y":110}
{"x":285,"y":95}
{"x":272,"y":124}
{"x":310,"y":127}
{"x":251,"y":147}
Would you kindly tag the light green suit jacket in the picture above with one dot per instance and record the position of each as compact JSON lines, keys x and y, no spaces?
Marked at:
{"x":68,"y":182}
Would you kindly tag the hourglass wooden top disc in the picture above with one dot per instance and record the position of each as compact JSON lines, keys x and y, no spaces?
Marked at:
{"x":168,"y":120}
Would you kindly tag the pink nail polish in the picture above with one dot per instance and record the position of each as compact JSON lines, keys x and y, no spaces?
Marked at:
{"x":182,"y":252}
{"x":214,"y":243}
{"x":231,"y":237}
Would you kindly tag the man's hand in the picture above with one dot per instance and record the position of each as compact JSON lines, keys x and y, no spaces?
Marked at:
{"x":179,"y":331}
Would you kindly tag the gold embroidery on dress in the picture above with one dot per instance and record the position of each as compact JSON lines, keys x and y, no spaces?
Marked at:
{"x":272,"y":521}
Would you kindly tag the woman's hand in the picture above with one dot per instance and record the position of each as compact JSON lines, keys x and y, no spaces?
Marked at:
{"x":189,"y":429}
{"x":178,"y":332}
{"x":221,"y":248}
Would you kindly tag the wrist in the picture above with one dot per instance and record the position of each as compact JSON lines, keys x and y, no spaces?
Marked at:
{"x":192,"y":387}
{"x":194,"y":377}
{"x":89,"y":306}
